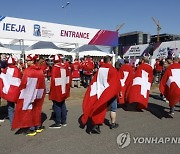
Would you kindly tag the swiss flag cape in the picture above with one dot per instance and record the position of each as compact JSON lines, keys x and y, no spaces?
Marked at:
{"x":60,"y":83}
{"x":170,"y":84}
{"x":126,"y":75}
{"x":10,"y":79}
{"x":139,"y":90}
{"x":104,"y":86}
{"x":29,"y":105}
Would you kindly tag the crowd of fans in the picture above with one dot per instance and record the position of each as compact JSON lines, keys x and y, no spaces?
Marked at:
{"x":82,"y":71}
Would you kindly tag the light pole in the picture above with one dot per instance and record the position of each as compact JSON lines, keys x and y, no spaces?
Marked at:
{"x":118,"y":27}
{"x":64,"y":7}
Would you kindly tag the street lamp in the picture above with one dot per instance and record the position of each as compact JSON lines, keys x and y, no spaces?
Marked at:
{"x":118,"y":27}
{"x":64,"y":7}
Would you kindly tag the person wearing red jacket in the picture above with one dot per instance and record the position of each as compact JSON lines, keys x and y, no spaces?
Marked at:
{"x":126,"y":72}
{"x":158,"y":67}
{"x":76,"y":73}
{"x":170,"y":84}
{"x":29,"y":105}
{"x":10,"y":80}
{"x":139,"y":89}
{"x":100,"y":94}
{"x":59,"y":91}
{"x":88,"y":68}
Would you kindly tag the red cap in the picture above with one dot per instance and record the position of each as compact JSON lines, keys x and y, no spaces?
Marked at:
{"x":30,"y":57}
{"x":36,"y":57}
{"x":11,"y":60}
{"x":57,"y":58}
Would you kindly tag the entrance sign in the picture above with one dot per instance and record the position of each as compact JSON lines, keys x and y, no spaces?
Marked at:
{"x":16,"y":28}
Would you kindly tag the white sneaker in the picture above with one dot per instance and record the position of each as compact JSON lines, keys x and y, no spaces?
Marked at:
{"x":64,"y":124}
{"x":2,"y":120}
{"x":166,"y":101}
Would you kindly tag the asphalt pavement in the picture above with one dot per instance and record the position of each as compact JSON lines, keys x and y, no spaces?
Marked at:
{"x":150,"y":131}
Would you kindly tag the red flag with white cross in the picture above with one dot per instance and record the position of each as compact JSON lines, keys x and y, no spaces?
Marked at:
{"x":126,"y":75}
{"x":139,"y":90}
{"x":60,"y":83}
{"x":29,"y":106}
{"x":10,"y":79}
{"x":170,"y":84}
{"x":104,"y":86}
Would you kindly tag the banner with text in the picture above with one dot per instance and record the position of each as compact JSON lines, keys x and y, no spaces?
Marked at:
{"x":15,"y":28}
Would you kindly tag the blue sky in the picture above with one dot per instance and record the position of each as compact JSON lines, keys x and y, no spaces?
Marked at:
{"x":100,"y":14}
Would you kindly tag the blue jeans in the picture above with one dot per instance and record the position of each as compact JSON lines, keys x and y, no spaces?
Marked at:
{"x":11,"y":106}
{"x":88,"y":79}
{"x":60,"y":112}
{"x":113,"y":104}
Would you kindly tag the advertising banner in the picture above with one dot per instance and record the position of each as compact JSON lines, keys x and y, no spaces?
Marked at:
{"x":15,"y":28}
{"x":134,"y":50}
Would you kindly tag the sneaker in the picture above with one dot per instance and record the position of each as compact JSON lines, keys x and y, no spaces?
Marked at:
{"x":31,"y":133}
{"x":40,"y":129}
{"x":166,"y":101}
{"x":114,"y":125}
{"x":96,"y":130}
{"x":55,"y":126}
{"x":171,"y":112}
{"x":64,"y":124}
{"x":2,"y":120}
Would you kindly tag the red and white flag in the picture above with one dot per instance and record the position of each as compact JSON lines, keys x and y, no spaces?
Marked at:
{"x":29,"y":106}
{"x":139,"y":90}
{"x":10,"y":79}
{"x":104,"y":86}
{"x":60,"y":83}
{"x":126,"y":75}
{"x":170,"y":84}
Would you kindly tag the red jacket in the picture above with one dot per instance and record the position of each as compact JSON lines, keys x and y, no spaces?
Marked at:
{"x":88,"y":67}
{"x":76,"y":69}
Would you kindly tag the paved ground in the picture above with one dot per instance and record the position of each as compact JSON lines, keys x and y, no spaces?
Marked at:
{"x":156,"y":122}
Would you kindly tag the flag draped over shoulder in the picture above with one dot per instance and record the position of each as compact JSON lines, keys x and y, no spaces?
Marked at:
{"x":126,"y":75}
{"x":104,"y":86}
{"x":170,"y":84}
{"x":139,"y":90}
{"x":60,"y":83}
{"x":29,"y":105}
{"x":10,"y":79}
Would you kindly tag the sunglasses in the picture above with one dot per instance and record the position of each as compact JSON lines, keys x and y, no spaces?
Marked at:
{"x":28,"y":60}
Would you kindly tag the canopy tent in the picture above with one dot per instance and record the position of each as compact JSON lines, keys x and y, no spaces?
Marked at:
{"x":91,"y":50}
{"x":9,"y":51}
{"x":48,"y":51}
{"x":94,"y":53}
{"x":43,"y":45}
{"x":46,"y":48}
{"x":86,"y":48}
{"x":1,"y":45}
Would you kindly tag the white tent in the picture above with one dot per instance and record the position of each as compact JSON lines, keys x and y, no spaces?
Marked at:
{"x":48,"y":51}
{"x":9,"y":51}
{"x":94,"y":53}
{"x":46,"y":48}
{"x":97,"y":54}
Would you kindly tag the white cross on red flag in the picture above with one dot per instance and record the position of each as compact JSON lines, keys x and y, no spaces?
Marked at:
{"x":9,"y":83}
